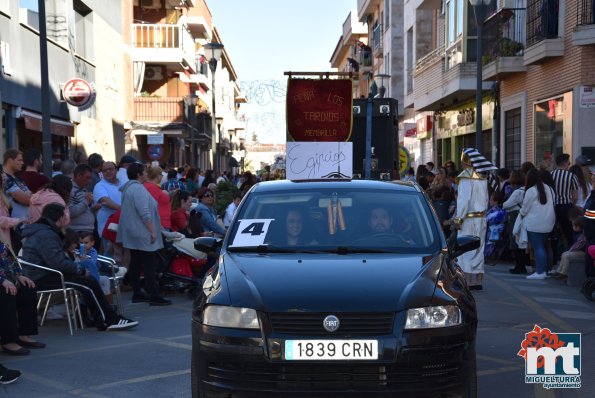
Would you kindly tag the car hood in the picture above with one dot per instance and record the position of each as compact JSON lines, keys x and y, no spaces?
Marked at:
{"x":325,"y":282}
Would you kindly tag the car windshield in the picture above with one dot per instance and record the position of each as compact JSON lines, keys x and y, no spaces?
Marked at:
{"x":334,"y":220}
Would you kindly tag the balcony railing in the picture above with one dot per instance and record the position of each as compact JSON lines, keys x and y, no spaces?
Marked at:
{"x":542,"y":20}
{"x":156,"y":109}
{"x":365,"y":57}
{"x":585,"y":14}
{"x":164,"y":36}
{"x":377,"y":40}
{"x":204,"y":128}
{"x":504,"y":34}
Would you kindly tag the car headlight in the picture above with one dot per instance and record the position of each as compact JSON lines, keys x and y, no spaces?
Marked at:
{"x":440,"y":316}
{"x":231,"y":317}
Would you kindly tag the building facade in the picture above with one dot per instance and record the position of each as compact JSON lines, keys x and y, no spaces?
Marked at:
{"x":185,"y":101}
{"x":82,"y":37}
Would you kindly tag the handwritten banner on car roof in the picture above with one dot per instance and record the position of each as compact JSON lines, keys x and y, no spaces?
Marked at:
{"x":319,"y":110}
{"x":318,"y":160}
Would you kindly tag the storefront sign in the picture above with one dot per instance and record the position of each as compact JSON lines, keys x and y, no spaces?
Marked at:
{"x":410,"y":129}
{"x":155,"y":139}
{"x":424,"y":127}
{"x":587,"y":97}
{"x":78,"y":92}
{"x":465,"y":117}
{"x":318,"y":160}
{"x":319,"y":110}
{"x":155,"y":152}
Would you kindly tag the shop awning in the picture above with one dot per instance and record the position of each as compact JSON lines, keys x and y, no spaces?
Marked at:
{"x":57,"y":126}
{"x":233,"y":162}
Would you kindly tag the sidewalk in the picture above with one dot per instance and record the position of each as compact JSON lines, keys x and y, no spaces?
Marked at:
{"x":151,"y":360}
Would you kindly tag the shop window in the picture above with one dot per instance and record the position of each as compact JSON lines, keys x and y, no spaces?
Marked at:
{"x":549,"y":128}
{"x":512,"y":139}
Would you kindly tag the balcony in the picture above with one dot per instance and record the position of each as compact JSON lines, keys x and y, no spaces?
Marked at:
{"x":436,"y":87}
{"x":504,"y":44}
{"x":204,"y":129}
{"x":163,"y":44}
{"x":366,"y":7}
{"x":365,"y":59}
{"x":543,"y":40}
{"x":353,"y":29}
{"x":377,"y":40}
{"x":584,"y":32}
{"x":159,"y":110}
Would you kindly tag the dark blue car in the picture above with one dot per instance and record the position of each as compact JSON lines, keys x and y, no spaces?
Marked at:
{"x":334,"y":289}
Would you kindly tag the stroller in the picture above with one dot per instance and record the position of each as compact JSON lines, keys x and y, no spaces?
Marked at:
{"x":184,"y":265}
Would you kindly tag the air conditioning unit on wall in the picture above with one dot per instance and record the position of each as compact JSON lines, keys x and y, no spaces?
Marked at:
{"x":148,"y":4}
{"x":153,"y":73}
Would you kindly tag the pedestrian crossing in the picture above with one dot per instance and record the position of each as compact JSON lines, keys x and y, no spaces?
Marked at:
{"x":564,"y":301}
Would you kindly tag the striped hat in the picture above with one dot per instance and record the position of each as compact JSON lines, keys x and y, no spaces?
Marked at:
{"x":477,"y":160}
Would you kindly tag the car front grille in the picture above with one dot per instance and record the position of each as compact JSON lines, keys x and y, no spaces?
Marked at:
{"x":369,"y":324}
{"x":294,"y":377}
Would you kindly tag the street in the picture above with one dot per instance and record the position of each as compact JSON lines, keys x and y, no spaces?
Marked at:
{"x":153,"y":360}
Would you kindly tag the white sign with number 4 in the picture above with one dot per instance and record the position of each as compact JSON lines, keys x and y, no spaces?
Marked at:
{"x":252,"y":232}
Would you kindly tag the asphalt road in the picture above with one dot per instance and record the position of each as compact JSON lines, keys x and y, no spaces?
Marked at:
{"x":153,"y":360}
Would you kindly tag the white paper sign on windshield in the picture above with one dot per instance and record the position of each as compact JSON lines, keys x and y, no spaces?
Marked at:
{"x":252,"y":232}
{"x":318,"y":160}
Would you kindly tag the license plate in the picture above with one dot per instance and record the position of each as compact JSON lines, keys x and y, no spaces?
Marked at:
{"x":331,"y":350}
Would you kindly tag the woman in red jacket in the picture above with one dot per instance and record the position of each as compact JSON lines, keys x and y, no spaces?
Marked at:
{"x":153,"y":185}
{"x":181,"y":202}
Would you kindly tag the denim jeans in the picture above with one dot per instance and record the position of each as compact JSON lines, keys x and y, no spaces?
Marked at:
{"x":538,"y":241}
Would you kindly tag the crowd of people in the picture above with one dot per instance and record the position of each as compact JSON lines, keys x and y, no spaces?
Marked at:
{"x":88,"y":209}
{"x":543,"y":215}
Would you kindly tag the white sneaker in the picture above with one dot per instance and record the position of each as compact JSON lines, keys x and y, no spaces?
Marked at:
{"x":53,"y":313}
{"x":122,"y":324}
{"x":535,"y":275}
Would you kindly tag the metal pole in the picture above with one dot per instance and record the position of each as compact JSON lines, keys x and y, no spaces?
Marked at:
{"x":46,"y":126}
{"x":367,"y":173}
{"x":213,"y":66}
{"x":479,"y":87}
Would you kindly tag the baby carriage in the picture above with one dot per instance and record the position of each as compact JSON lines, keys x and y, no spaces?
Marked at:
{"x":185,"y":266}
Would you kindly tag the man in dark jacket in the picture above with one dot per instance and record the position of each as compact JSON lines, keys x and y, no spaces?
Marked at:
{"x":43,"y":246}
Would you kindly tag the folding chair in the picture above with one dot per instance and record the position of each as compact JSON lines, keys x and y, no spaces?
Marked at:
{"x":116,"y":280}
{"x":71,"y":298}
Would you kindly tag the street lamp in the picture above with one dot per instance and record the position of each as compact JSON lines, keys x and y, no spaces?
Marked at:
{"x":219,"y":122}
{"x":478,"y":9}
{"x":381,"y":81}
{"x":214,"y":51}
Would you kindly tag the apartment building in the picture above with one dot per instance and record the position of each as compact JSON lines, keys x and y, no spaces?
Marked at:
{"x":537,"y":71}
{"x":547,"y":93}
{"x":185,"y":95}
{"x":85,"y":40}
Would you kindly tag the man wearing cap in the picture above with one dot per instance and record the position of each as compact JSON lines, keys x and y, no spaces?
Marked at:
{"x":469,"y":218}
{"x":126,"y":161}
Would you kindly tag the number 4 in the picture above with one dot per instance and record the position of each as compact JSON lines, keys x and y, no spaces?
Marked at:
{"x":256,"y":228}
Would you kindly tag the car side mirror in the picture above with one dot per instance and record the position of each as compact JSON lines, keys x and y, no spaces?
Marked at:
{"x":207,"y":244}
{"x":464,"y":244}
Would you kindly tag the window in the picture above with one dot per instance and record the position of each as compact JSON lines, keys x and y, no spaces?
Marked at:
{"x":409,"y":60}
{"x":454,"y":20}
{"x":512,"y":139}
{"x":549,"y":128}
{"x":83,"y":30}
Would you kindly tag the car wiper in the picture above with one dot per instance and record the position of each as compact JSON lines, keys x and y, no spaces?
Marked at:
{"x":346,"y":250}
{"x":261,"y":249}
